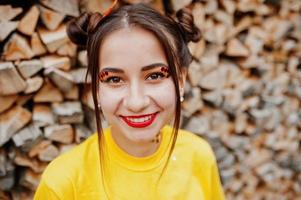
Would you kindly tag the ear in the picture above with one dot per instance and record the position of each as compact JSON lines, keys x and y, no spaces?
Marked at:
{"x":182,"y":79}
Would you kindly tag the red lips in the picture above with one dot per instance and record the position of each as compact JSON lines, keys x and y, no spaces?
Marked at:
{"x":140,"y":121}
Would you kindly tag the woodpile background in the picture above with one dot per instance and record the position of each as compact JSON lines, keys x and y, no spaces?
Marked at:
{"x":243,"y":91}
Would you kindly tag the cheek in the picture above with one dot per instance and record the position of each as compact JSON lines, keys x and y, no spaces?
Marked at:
{"x":109,"y":100}
{"x":164,"y":95}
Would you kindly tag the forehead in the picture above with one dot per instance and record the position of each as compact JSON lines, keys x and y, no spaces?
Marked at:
{"x":133,"y":46}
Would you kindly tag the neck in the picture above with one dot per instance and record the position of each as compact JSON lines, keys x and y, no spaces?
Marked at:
{"x":136,"y":149}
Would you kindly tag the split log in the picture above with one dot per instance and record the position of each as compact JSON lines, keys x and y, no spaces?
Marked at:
{"x":72,"y":94}
{"x":7,"y":182}
{"x":277,"y":28}
{"x":42,"y":115}
{"x":197,"y":49}
{"x":6,"y":28}
{"x":22,"y":194}
{"x":50,"y":18}
{"x":236,"y":48}
{"x":87,"y":98}
{"x":7,"y":101}
{"x":198,"y":124}
{"x":214,"y":98}
{"x":82,"y":58}
{"x":29,"y":68}
{"x":7,"y":12}
{"x":210,"y":58}
{"x":5,"y":166}
{"x":17,"y":48}
{"x":23,"y":99}
{"x":178,"y":4}
{"x":63,"y":80}
{"x":216,"y":79}
{"x":242,"y":25}
{"x":48,"y":153}
{"x":194,"y":103}
{"x":37,"y":46}
{"x":194,"y":73}
{"x":25,"y":161}
{"x":60,"y":133}
{"x":11,"y":121}
{"x":68,"y":112}
{"x":81,"y":133}
{"x":68,"y":7}
{"x":28,"y":23}
{"x":7,"y":171}
{"x":30,"y":179}
{"x":224,"y":17}
{"x":68,"y":49}
{"x":220,"y":34}
{"x":54,"y":39}
{"x":10,"y":80}
{"x":95,"y":5}
{"x":79,"y":75}
{"x":232,"y":101}
{"x":198,"y":13}
{"x":33,"y":84}
{"x":37,"y":148}
{"x":211,"y":7}
{"x":254,"y":44}
{"x":48,"y":93}
{"x":258,"y":157}
{"x":27,"y":137}
{"x":241,"y":122}
{"x":63,"y":148}
{"x":91,"y":120}
{"x":229,"y":5}
{"x":54,"y":61}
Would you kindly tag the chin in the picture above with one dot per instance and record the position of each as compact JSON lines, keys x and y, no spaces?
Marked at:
{"x":142,"y":134}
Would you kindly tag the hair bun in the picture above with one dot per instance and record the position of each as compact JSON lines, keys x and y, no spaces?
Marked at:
{"x":79,"y":28}
{"x":187,"y":26}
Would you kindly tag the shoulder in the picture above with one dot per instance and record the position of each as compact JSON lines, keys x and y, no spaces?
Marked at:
{"x":71,"y":158}
{"x":63,"y":170}
{"x":196,"y":146}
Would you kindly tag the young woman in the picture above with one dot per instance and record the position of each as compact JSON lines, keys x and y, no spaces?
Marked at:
{"x":138,"y":61}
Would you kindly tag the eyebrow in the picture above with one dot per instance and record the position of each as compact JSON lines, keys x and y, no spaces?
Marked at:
{"x":145,"y":68}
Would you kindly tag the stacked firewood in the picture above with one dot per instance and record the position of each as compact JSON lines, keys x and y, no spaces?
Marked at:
{"x":243,"y":91}
{"x":244,"y":94}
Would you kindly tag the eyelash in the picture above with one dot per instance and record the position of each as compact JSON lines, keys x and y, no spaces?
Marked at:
{"x":161,"y":75}
{"x":158,"y":74}
{"x":108,"y":80}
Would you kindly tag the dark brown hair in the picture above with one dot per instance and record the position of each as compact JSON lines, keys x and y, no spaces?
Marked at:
{"x":90,"y":30}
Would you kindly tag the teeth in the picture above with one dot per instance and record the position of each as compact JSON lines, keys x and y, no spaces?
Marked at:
{"x":139,"y":120}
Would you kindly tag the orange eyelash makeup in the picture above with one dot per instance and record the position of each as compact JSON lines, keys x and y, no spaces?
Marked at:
{"x":165,"y":70}
{"x":102,"y":75}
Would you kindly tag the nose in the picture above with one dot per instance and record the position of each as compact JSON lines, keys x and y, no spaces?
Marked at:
{"x":136,"y":100}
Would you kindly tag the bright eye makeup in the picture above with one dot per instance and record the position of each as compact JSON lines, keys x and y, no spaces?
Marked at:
{"x":157,"y":75}
{"x":108,"y":77}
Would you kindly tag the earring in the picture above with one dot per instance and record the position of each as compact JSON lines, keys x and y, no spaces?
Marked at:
{"x":181,"y":99}
{"x":98,"y":105}
{"x":181,"y":94}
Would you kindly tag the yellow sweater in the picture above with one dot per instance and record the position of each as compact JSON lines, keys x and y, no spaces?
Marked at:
{"x":191,"y":173}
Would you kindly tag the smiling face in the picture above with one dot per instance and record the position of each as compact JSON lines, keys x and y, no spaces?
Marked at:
{"x":136,"y":94}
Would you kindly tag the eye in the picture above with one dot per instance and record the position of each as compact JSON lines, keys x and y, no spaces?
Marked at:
{"x":155,"y":76}
{"x":113,"y":79}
